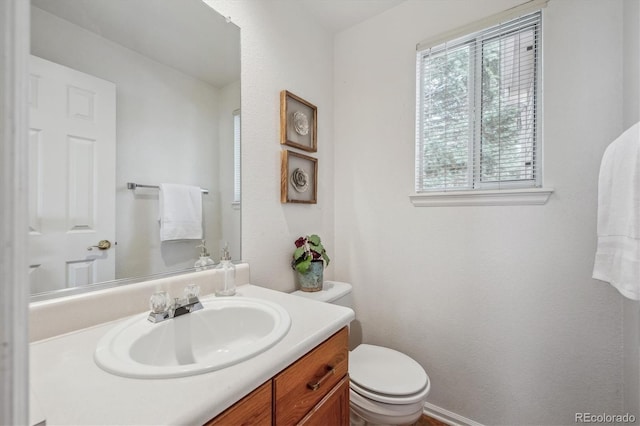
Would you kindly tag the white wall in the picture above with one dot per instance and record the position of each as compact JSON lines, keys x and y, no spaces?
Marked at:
{"x":167,"y":131}
{"x":631,"y":64}
{"x":631,"y":357}
{"x":281,"y":49}
{"x":497,"y":303}
{"x":631,"y":114}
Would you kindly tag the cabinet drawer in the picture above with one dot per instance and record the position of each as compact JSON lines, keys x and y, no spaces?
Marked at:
{"x":254,"y":409}
{"x":301,"y":386}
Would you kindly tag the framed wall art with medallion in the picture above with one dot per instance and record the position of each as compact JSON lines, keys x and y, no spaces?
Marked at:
{"x":299,"y":178}
{"x":298,"y":122}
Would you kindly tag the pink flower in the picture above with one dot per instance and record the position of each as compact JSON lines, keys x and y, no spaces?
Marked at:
{"x":300,"y":242}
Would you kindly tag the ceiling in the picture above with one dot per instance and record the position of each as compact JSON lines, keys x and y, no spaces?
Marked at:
{"x":338,"y":15}
{"x":149,"y":27}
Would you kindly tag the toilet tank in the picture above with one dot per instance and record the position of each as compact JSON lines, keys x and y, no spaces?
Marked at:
{"x":338,"y":293}
{"x":335,"y":292}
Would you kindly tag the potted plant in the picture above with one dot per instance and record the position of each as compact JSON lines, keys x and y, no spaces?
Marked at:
{"x":309,"y":260}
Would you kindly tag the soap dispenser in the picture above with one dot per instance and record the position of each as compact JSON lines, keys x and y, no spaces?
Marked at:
{"x":228,"y":274}
{"x":204,"y":261}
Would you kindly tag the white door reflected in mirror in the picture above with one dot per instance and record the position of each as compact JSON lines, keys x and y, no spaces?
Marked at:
{"x":72,"y":155}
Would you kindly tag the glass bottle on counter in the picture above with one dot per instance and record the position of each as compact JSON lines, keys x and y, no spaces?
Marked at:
{"x":228,"y":274}
{"x":205,"y":260}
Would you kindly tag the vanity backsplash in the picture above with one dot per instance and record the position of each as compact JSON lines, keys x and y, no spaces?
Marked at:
{"x":66,"y":314}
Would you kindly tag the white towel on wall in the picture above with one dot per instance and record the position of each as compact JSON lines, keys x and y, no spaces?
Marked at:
{"x":618,"y":253}
{"x":180,"y":212}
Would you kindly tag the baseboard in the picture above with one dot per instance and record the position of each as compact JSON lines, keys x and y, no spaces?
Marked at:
{"x":447,"y":416}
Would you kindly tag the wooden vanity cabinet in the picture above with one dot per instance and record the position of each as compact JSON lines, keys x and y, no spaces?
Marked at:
{"x":314,"y":390}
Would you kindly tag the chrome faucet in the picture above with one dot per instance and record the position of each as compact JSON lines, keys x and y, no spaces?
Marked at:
{"x":163,"y":309}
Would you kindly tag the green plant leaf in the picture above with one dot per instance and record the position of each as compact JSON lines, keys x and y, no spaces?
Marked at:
{"x":303,"y":266}
{"x":314,"y":239}
{"x":298,"y":252}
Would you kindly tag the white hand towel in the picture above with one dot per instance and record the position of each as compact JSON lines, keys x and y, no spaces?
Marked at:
{"x":618,"y":253}
{"x":180,"y":212}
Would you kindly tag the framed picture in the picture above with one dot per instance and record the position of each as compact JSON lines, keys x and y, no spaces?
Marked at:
{"x":299,"y":179}
{"x":298,"y":122}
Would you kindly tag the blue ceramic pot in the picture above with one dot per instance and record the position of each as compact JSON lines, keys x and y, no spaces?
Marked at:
{"x":312,"y":279}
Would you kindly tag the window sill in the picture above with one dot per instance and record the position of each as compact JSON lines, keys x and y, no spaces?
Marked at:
{"x":499,"y":197}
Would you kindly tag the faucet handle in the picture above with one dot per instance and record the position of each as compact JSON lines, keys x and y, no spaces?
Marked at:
{"x":191,"y":291}
{"x":159,"y":302}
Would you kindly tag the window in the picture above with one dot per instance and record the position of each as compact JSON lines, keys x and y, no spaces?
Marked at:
{"x":236,"y":157}
{"x":478,"y":110}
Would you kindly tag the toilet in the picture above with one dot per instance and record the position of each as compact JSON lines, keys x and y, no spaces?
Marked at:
{"x":387,"y":387}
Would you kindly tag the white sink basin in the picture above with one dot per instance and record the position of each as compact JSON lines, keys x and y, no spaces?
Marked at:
{"x":227,"y":331}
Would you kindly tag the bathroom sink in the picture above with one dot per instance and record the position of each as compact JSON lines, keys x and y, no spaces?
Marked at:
{"x":227,"y":331}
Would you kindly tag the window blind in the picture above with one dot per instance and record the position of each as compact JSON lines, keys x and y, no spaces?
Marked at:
{"x":498,"y":18}
{"x":477,"y":109}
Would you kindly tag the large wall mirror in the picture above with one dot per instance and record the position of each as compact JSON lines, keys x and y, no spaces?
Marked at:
{"x":123,"y":92}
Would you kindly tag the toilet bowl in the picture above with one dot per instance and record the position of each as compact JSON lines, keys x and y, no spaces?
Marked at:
{"x":387,"y":387}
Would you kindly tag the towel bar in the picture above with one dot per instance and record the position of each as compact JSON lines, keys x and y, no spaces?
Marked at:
{"x":133,"y":185}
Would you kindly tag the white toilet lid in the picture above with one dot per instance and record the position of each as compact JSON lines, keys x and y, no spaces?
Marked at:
{"x":387,"y":372}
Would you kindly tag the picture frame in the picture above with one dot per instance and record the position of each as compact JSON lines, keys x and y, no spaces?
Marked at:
{"x":298,"y":122}
{"x":299,"y":178}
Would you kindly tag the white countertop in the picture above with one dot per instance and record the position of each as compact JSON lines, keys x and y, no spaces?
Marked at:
{"x":69,"y":388}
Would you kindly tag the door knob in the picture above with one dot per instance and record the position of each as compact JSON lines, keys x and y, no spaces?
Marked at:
{"x":102,"y":245}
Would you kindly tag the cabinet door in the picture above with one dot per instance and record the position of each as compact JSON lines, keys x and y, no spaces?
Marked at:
{"x":253,"y":410}
{"x":333,"y":409}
